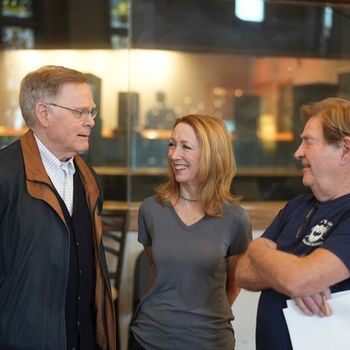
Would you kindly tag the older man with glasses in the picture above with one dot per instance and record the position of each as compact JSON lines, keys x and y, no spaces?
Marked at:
{"x":54,"y":287}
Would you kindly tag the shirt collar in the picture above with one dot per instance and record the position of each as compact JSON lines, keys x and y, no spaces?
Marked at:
{"x":49,"y":159}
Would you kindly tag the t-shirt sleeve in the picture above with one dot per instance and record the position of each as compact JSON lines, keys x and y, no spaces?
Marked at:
{"x":242,"y":235}
{"x":290,"y":214}
{"x":274,"y":229}
{"x":338,"y":242}
{"x":144,"y":236}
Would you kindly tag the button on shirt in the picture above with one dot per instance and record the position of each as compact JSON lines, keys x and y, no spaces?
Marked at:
{"x":60,"y":173}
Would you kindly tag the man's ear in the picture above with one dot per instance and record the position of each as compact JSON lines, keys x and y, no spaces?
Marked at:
{"x":346,"y":149}
{"x":42,"y":114}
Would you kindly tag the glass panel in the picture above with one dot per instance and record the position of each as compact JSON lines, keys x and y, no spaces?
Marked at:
{"x":17,"y":37}
{"x":119,"y":13}
{"x":253,"y":75}
{"x":198,"y":57}
{"x":259,"y":101}
{"x":112,"y":117}
{"x":108,"y":151}
{"x":119,"y":41}
{"x":17,"y":8}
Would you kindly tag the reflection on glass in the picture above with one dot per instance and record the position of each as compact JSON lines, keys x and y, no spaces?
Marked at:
{"x":160,"y":116}
{"x":119,"y":13}
{"x":17,"y":8}
{"x":17,"y":37}
{"x":119,"y":41}
{"x":250,"y":10}
{"x":254,"y":76}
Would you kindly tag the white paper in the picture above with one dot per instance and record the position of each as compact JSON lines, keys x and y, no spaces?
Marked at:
{"x":321,"y":333}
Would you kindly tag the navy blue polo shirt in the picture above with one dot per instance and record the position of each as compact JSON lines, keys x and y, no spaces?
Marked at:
{"x":302,"y":226}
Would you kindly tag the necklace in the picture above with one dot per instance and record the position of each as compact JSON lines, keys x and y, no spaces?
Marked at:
{"x":188,"y":199}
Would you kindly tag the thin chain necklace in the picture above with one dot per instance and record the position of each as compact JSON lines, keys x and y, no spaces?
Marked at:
{"x":188,"y":199}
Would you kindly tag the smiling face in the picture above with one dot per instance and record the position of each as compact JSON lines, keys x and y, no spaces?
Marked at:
{"x":321,"y":161}
{"x":184,"y":155}
{"x":65,"y":134}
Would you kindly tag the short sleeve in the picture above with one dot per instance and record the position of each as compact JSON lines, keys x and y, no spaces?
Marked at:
{"x":289,"y":217}
{"x":338,"y":242}
{"x":273,"y":230}
{"x":242,"y":235}
{"x":144,"y":236}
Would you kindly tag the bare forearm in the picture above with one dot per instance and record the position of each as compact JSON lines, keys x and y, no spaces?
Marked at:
{"x":232,"y":294}
{"x":247,"y":276}
{"x":273,"y":267}
{"x":293,"y":275}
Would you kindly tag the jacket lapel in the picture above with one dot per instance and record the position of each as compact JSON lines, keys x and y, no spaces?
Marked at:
{"x":38,"y":182}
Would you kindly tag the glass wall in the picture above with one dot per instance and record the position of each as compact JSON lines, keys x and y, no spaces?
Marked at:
{"x":199,"y":57}
{"x":254,"y":72}
{"x":16,"y":31}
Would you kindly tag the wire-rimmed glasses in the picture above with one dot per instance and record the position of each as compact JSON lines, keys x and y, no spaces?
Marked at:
{"x":79,"y":114}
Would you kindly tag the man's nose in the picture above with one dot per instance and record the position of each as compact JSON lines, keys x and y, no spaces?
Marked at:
{"x":298,"y":154}
{"x":89,"y":120}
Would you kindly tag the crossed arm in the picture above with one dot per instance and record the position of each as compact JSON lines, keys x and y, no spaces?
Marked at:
{"x":305,"y":279}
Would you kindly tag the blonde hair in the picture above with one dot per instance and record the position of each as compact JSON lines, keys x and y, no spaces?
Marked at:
{"x":44,"y":83}
{"x":217,"y":165}
{"x":335,"y":113}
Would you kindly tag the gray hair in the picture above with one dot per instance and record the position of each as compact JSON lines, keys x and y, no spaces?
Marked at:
{"x":44,"y":83}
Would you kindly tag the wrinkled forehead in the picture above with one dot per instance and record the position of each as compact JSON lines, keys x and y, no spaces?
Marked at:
{"x":75,"y":92}
{"x":313,"y":125}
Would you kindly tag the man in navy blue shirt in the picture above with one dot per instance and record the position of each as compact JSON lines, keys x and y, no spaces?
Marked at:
{"x":305,"y":253}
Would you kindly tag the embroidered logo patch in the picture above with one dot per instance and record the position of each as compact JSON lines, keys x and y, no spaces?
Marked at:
{"x":317,"y":234}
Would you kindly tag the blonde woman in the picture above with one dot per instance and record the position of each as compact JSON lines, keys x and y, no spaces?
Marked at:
{"x":193,"y":231}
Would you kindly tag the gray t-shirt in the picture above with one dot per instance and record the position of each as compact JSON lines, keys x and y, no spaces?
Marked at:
{"x":186,"y":307}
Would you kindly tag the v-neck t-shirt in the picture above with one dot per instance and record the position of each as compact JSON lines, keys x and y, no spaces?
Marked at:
{"x":186,"y":306}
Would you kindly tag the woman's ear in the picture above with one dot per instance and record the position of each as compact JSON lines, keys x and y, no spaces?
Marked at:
{"x":346,"y":149}
{"x":42,"y":113}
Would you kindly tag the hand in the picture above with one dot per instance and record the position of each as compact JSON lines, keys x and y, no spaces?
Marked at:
{"x":315,"y":304}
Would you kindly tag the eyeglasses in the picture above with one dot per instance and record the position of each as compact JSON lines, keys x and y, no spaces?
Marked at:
{"x":79,"y":114}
